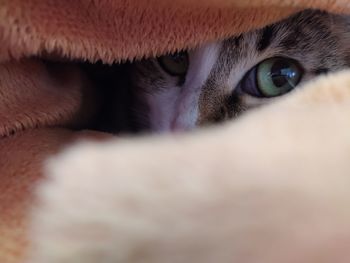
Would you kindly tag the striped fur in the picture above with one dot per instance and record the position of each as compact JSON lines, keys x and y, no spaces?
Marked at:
{"x":319,"y":41}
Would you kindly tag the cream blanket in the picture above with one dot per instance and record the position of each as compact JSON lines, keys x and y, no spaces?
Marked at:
{"x":270,"y":187}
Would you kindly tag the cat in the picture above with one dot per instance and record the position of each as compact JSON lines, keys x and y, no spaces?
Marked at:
{"x":220,"y":80}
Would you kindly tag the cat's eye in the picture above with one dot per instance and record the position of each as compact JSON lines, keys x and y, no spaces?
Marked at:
{"x":272,"y":77}
{"x":175,"y":64}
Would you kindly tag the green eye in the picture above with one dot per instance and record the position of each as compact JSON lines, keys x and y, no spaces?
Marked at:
{"x":277,"y":76}
{"x":175,"y":64}
{"x":272,"y":77}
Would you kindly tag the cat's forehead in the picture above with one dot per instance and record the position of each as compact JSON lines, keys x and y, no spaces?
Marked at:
{"x":316,"y":39}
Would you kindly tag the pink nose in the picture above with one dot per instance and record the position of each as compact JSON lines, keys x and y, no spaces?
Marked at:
{"x":177,"y":125}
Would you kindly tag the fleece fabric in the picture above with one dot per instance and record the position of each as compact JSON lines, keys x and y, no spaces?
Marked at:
{"x":277,"y":175}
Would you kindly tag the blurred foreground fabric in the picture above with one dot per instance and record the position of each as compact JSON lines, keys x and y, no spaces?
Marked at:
{"x":270,"y":187}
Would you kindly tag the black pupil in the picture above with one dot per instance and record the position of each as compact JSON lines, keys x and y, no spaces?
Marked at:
{"x":178,"y":57}
{"x":281,"y":72}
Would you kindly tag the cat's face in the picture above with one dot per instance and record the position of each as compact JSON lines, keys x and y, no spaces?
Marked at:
{"x":219,"y":80}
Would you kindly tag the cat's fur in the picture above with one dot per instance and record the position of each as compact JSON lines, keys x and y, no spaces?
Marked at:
{"x":319,"y":41}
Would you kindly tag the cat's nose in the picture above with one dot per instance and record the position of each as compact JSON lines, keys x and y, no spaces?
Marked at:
{"x":179,"y":127}
{"x":185,"y":114}
{"x":181,"y":124}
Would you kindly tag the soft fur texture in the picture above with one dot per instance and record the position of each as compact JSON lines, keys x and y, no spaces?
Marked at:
{"x":220,"y":80}
{"x":243,"y":192}
{"x":273,"y":192}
